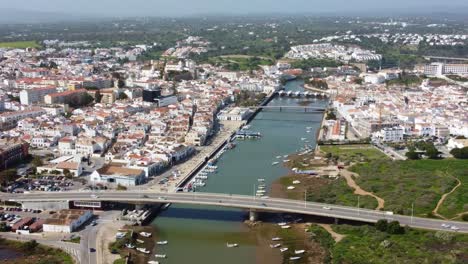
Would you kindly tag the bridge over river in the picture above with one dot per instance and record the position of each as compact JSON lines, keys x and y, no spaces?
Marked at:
{"x":251,"y":203}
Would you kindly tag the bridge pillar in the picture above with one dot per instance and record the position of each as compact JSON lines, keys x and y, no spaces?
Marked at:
{"x":139,"y":206}
{"x":336,"y":221}
{"x":253,"y":215}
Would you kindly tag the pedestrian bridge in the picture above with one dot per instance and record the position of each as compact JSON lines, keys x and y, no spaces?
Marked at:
{"x":251,"y":203}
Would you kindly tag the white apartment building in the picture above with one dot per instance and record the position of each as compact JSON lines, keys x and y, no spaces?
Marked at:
{"x":442,"y":68}
{"x":36,"y":95}
{"x":393,"y":134}
{"x":66,"y":221}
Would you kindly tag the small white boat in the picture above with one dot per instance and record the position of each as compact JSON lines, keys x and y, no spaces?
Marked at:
{"x":296,"y":182}
{"x":231,"y":245}
{"x":275,"y":246}
{"x":285,"y":156}
{"x":153,"y":262}
{"x":278,"y":157}
{"x":130,"y":246}
{"x":143,"y":250}
{"x":264,"y":197}
{"x":276,"y":239}
{"x":286,"y":160}
{"x":291,"y":188}
{"x":275,"y":163}
{"x":303,"y":139}
{"x":145,"y":234}
{"x":283,"y":249}
{"x":299,"y":251}
{"x":282,"y":224}
{"x":286,"y":227}
{"x":294,"y":258}
{"x":162,"y":242}
{"x":261,"y":180}
{"x":140,"y":241}
{"x":160,"y":255}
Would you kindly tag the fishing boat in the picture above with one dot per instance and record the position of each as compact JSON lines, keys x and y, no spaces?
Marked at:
{"x":231,"y":245}
{"x":286,"y":160}
{"x":261,"y":180}
{"x":143,"y":250}
{"x":145,"y":234}
{"x":296,"y":182}
{"x":164,"y":242}
{"x":294,"y":258}
{"x":130,"y":246}
{"x":303,"y":139}
{"x":299,"y":251}
{"x":282,"y":224}
{"x":276,"y":239}
{"x":275,"y":163}
{"x":286,"y":226}
{"x":275,"y":246}
{"x":285,"y":156}
{"x":140,"y":241}
{"x":153,"y":262}
{"x":160,"y":255}
{"x":283,"y":249}
{"x":291,"y":188}
{"x":278,"y":157}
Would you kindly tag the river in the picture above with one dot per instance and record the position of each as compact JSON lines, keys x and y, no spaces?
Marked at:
{"x":198,"y":234}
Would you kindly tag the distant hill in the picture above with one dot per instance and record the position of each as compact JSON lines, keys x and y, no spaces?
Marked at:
{"x":17,"y":16}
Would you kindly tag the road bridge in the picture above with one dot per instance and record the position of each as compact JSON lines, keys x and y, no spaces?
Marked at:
{"x":290,"y":108}
{"x":251,"y":203}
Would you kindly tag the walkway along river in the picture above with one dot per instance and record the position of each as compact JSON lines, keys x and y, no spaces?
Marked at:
{"x":198,"y":234}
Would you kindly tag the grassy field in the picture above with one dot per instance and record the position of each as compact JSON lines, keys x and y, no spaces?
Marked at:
{"x":19,"y":44}
{"x":422,"y":182}
{"x":34,"y":253}
{"x":354,"y":153}
{"x":365,"y":244}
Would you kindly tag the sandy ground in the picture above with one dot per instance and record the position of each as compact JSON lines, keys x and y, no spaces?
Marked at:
{"x":106,"y":235}
{"x":358,"y":190}
{"x":442,"y":199}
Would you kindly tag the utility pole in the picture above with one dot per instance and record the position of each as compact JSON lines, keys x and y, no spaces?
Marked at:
{"x":412,"y":211}
{"x":305,"y":198}
{"x":254,"y":191}
{"x":358,"y":205}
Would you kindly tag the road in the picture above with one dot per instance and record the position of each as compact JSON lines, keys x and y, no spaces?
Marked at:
{"x":243,"y":202}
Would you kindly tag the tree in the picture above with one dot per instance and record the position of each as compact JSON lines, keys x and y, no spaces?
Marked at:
{"x":30,"y":246}
{"x":8,"y":176}
{"x":432,"y":152}
{"x":460,"y":153}
{"x":37,"y":161}
{"x":382,"y":225}
{"x":123,"y":96}
{"x":120,"y":83}
{"x":465,"y":217}
{"x":67,"y":173}
{"x":394,"y":228}
{"x":412,"y":155}
{"x":97,"y":96}
{"x":4,"y":227}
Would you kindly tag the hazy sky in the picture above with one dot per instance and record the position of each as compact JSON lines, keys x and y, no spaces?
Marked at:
{"x":185,"y":7}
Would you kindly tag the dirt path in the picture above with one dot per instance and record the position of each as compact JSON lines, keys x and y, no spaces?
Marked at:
{"x":442,"y":199}
{"x":337,"y":237}
{"x":358,"y":190}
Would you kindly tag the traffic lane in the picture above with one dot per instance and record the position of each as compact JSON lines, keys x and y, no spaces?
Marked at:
{"x":248,"y":201}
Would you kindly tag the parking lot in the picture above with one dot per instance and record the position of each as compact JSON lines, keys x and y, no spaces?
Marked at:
{"x":44,"y":183}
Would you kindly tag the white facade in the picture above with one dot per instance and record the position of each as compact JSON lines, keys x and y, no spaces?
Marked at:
{"x":234,"y":114}
{"x":67,"y":225}
{"x":32,"y":96}
{"x":394,"y":134}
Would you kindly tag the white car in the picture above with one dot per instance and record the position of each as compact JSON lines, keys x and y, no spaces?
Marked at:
{"x":326,"y":208}
{"x":94,"y":196}
{"x":445,"y":225}
{"x":161,"y":198}
{"x":454,"y":228}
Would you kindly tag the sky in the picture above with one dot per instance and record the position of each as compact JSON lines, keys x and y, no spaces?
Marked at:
{"x":206,"y":7}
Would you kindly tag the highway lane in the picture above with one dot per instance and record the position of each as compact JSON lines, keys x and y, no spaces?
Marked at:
{"x":244,"y":202}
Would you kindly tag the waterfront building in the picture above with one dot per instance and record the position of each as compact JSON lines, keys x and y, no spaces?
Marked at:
{"x":115,"y":175}
{"x":66,"y":221}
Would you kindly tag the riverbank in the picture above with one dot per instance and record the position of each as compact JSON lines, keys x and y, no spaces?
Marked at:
{"x":133,"y":237}
{"x":14,"y":252}
{"x":308,"y":87}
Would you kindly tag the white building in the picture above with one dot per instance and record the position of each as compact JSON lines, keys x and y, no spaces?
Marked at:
{"x":457,"y":143}
{"x":66,"y":221}
{"x":36,"y":95}
{"x":115,"y":175}
{"x":234,"y":114}
{"x":392,"y":134}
